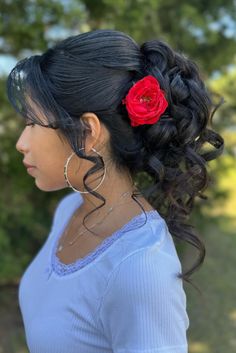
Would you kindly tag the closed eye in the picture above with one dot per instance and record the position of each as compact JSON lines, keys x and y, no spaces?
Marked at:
{"x":48,"y":126}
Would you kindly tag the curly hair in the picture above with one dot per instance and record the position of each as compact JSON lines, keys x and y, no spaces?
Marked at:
{"x":93,"y":72}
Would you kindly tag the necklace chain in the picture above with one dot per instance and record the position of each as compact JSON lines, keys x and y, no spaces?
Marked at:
{"x":62,"y":246}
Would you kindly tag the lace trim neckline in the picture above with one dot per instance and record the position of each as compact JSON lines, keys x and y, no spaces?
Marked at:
{"x":63,"y":269}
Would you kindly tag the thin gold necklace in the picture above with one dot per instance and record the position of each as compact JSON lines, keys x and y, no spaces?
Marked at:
{"x":62,"y":246}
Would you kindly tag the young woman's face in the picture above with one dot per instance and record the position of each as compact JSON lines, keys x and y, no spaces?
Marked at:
{"x":43,"y":149}
{"x":47,"y":151}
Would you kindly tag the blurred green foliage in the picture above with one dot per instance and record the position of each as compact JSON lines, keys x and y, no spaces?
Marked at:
{"x":201,"y":29}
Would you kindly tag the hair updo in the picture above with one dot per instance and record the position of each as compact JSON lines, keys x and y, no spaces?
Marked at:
{"x":92,"y":72}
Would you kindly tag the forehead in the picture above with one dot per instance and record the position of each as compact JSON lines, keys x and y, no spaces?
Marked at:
{"x":35,"y":114}
{"x":35,"y":111}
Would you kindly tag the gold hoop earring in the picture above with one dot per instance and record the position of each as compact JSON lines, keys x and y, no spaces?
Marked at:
{"x":66,"y":177}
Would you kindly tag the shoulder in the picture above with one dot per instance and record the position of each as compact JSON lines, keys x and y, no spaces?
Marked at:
{"x":145,"y":254}
{"x":144,"y":304}
{"x":154,"y":267}
{"x":149,"y":268}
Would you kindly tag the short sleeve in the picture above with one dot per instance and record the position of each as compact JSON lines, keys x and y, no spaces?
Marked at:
{"x":143,"y":309}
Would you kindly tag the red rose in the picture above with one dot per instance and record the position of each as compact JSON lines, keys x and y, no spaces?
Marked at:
{"x":145,"y":102}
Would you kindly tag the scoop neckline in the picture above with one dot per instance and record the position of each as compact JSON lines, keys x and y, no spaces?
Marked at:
{"x":63,"y":269}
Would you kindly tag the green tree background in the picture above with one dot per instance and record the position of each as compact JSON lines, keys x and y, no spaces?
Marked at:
{"x":205,"y":31}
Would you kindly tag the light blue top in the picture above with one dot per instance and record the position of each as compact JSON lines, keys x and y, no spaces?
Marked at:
{"x":124,"y":297}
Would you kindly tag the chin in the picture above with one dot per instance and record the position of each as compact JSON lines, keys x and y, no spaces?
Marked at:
{"x":50,"y":187}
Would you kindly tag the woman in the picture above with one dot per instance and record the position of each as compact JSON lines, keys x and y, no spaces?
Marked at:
{"x":101,"y":110}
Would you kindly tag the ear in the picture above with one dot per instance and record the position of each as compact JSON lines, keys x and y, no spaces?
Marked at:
{"x":94,"y":129}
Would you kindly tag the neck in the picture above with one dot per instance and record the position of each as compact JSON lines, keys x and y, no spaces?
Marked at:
{"x":112,"y":188}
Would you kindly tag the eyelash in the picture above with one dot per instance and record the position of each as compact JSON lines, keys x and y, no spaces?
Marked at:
{"x":48,"y":126}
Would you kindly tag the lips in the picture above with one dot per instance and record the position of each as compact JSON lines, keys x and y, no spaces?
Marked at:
{"x":28,"y":165}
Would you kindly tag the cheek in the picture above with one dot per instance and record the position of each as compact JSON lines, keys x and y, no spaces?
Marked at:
{"x":55,"y":162}
{"x":50,"y":173}
{"x":54,"y":151}
{"x":49,"y":158}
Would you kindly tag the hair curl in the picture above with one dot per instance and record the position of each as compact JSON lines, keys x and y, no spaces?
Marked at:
{"x":93,"y":72}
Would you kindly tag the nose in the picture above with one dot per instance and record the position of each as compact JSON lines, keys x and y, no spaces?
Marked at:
{"x":22,"y":144}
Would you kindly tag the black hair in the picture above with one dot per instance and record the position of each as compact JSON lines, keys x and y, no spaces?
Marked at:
{"x":92,"y":72}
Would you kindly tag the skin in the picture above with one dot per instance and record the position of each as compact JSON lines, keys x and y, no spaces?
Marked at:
{"x":43,"y":148}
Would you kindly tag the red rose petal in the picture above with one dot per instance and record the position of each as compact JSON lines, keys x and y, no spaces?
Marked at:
{"x":145,"y":101}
